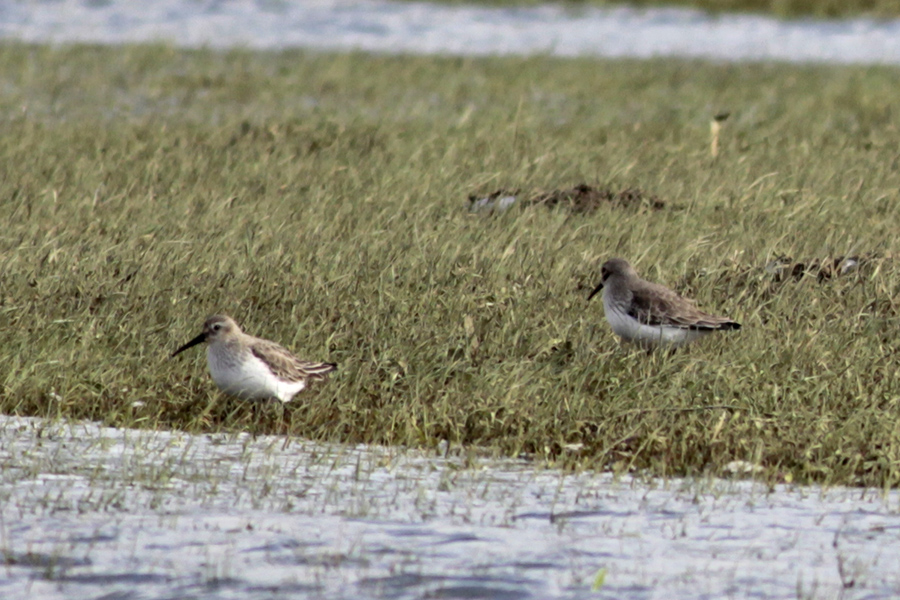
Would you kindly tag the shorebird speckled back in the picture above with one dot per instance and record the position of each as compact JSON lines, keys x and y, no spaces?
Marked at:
{"x":650,"y":314}
{"x":252,"y":368}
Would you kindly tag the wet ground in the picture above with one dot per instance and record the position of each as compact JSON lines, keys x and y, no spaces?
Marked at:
{"x":93,"y":512}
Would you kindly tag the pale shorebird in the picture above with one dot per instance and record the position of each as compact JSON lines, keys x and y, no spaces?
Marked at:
{"x":252,"y":368}
{"x":650,"y":314}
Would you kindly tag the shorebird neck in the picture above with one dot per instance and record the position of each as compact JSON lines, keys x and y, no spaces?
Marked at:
{"x":617,"y":290}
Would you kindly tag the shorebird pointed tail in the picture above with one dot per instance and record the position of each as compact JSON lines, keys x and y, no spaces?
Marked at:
{"x":319,"y":370}
{"x":716,"y":324}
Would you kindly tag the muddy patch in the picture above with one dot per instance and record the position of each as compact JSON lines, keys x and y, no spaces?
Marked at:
{"x":584,"y":198}
{"x":580,"y":199}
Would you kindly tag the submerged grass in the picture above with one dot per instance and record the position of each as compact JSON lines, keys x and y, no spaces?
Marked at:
{"x":322,"y":201}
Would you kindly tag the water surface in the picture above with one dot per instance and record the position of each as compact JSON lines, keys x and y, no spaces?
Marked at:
{"x":90,"y":512}
{"x":430,"y":28}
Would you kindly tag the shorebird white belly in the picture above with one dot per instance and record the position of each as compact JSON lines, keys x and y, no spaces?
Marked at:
{"x":629,"y":328}
{"x":248,"y":377}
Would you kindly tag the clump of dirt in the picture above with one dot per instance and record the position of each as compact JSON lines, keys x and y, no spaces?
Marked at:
{"x":580,"y":199}
{"x":783,"y":268}
{"x":584,"y":198}
{"x":497,"y":201}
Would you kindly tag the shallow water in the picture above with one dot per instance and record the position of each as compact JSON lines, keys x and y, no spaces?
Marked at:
{"x":91,"y":512}
{"x":409,"y":27}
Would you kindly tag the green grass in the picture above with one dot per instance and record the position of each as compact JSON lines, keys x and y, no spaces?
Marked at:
{"x":780,"y":8}
{"x":321,"y":201}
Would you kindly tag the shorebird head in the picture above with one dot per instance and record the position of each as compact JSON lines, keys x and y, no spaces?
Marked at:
{"x":614,"y":267}
{"x":216,"y":327}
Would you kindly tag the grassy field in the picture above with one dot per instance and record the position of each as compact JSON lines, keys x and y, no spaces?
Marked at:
{"x":321,"y":200}
{"x":780,"y":8}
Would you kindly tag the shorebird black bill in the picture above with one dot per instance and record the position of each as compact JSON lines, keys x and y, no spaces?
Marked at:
{"x":197,"y":340}
{"x":596,"y":289}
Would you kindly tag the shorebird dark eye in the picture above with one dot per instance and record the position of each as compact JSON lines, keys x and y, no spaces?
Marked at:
{"x":217,"y":327}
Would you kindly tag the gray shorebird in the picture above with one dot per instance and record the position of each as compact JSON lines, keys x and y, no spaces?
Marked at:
{"x":252,"y":368}
{"x":650,"y":314}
